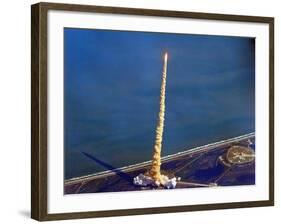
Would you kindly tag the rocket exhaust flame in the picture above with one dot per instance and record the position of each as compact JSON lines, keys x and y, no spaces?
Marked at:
{"x":155,"y":171}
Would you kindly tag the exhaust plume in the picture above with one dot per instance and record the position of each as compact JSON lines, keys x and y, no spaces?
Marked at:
{"x":155,"y":171}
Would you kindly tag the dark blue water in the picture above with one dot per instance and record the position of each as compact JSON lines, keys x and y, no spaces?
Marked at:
{"x":112,"y":83}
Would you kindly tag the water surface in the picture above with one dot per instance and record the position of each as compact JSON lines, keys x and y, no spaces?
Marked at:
{"x":111,"y":94}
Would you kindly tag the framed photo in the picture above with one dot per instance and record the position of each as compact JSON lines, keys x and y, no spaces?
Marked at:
{"x":139,"y":111}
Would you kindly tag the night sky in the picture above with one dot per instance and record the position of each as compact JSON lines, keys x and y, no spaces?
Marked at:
{"x":111,"y":94}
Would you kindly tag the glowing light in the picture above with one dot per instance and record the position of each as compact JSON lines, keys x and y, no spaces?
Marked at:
{"x":166,"y":56}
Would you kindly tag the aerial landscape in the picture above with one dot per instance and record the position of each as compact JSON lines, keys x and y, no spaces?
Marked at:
{"x":146,"y":111}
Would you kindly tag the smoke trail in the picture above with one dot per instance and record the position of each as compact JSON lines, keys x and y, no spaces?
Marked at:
{"x":155,"y":171}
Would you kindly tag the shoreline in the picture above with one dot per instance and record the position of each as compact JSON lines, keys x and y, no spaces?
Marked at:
{"x":167,"y":158}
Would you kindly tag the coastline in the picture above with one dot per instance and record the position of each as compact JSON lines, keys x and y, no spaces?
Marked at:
{"x":168,"y":158}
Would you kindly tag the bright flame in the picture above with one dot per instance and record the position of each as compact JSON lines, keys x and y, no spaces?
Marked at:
{"x":166,"y":56}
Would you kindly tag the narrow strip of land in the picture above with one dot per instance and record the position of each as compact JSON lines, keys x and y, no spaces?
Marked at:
{"x":168,"y":158}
